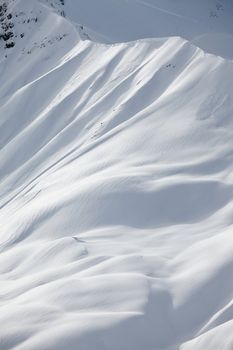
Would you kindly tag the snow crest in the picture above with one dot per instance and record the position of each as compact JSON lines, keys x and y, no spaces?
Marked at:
{"x":116,"y":190}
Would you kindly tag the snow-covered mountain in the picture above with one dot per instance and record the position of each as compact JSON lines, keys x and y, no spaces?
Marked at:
{"x":207,"y":23}
{"x":116,"y":185}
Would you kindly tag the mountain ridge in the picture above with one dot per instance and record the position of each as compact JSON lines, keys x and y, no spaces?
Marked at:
{"x":116,"y":191}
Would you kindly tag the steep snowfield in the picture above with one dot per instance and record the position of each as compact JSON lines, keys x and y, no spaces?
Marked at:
{"x":116,"y":187}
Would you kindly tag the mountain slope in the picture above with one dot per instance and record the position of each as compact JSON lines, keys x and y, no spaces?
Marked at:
{"x":116,"y":191}
{"x":208,"y":23}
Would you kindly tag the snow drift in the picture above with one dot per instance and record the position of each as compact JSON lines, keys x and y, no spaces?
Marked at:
{"x":116,"y":185}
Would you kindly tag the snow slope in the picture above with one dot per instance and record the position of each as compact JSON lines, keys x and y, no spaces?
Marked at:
{"x":116,"y":189}
{"x":207,"y":22}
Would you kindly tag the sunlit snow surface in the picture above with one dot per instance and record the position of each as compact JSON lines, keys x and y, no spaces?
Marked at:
{"x":116,"y":178}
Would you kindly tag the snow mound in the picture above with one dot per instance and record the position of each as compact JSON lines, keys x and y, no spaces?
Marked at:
{"x":116,"y":192}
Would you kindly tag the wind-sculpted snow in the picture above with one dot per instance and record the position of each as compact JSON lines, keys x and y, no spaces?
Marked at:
{"x":116,"y":195}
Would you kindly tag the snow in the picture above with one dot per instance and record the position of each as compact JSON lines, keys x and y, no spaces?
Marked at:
{"x":116,"y":185}
{"x":125,"y":20}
